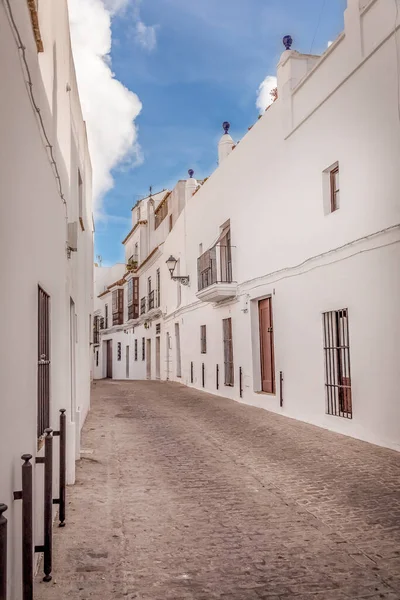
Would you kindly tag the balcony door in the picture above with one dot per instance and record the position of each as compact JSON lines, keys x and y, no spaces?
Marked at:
{"x":266,"y":346}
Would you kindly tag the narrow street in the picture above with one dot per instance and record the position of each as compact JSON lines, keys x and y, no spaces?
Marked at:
{"x":182,"y":495}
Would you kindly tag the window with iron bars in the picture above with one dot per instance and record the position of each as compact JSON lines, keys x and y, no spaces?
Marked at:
{"x":158,"y":288}
{"x":337,"y":363}
{"x":119,"y":350}
{"x":228,"y":352}
{"x":96,"y":329}
{"x":106,"y":317}
{"x":203,"y":339}
{"x":158,"y":328}
{"x":151,"y":299}
{"x":136,"y":349}
{"x":133,"y":298}
{"x":143,"y":305}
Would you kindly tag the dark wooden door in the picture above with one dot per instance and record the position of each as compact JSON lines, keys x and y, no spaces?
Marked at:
{"x":109,"y":359}
{"x":228,"y":352}
{"x":266,"y":346}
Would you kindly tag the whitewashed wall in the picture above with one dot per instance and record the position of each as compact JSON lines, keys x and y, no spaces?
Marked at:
{"x":33,"y":237}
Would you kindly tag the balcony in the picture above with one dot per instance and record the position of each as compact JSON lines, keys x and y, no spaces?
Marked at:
{"x":214,"y":272}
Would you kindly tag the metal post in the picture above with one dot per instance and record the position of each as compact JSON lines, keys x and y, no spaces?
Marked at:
{"x":240,"y":382}
{"x":217,"y":377}
{"x":63,"y":452}
{"x":3,"y":553}
{"x":202,"y":374}
{"x":27,"y":527}
{"x":191,"y":372}
{"x":48,"y":503}
{"x":280,"y":388}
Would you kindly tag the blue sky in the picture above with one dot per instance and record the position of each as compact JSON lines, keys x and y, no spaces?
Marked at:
{"x":209,"y":58}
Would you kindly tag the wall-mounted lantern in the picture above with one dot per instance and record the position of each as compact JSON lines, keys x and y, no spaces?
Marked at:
{"x":171,"y":264}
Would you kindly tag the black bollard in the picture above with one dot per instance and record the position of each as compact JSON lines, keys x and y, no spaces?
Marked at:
{"x":3,"y":553}
{"x":48,"y":504}
{"x":63,"y":452}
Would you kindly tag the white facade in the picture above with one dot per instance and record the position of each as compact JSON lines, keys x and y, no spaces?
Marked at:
{"x":274,"y":192}
{"x":46,"y":241}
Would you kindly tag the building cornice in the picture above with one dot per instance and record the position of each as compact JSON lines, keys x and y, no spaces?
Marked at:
{"x":144,"y":222}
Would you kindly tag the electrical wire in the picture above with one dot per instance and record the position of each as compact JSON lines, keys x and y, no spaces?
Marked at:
{"x":397,"y":57}
{"x":29,"y":84}
{"x":318,"y":24}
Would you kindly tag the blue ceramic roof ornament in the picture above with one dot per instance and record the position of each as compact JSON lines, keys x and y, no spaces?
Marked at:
{"x":226,"y":126}
{"x":191,"y":173}
{"x":287,"y":42}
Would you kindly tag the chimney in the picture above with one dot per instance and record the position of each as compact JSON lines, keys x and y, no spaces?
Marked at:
{"x":226,"y":143}
{"x":191,"y":186}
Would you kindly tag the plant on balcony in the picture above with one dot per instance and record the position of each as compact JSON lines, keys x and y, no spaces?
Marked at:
{"x":132,"y":265}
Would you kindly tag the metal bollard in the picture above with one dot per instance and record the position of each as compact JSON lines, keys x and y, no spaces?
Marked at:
{"x":63,"y":453}
{"x":3,"y":553}
{"x":48,"y":504}
{"x":202,"y":374}
{"x":240,"y":382}
{"x":191,"y":372}
{"x":217,"y":377}
{"x":27,"y":527}
{"x":280,"y":388}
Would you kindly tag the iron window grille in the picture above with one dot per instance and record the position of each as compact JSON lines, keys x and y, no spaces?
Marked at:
{"x":143,"y":305}
{"x":158,"y":328}
{"x":203,"y":339}
{"x":158,"y":287}
{"x":97,"y":358}
{"x":43,"y":389}
{"x":136,"y":349}
{"x":119,"y":351}
{"x":228,"y":352}
{"x":337,"y":363}
{"x":96,"y":329}
{"x":106,"y":317}
{"x":334,"y":187}
{"x":151,"y":299}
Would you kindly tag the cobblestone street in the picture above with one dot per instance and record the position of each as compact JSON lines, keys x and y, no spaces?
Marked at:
{"x":182,"y":495}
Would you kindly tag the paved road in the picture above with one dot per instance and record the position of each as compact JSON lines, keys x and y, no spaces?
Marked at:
{"x":190,"y":496}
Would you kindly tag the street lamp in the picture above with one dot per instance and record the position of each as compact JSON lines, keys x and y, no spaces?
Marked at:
{"x":171,"y":264}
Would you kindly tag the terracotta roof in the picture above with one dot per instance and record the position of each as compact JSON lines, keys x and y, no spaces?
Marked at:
{"x":133,"y":229}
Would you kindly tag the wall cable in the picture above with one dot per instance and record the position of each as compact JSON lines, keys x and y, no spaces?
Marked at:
{"x":29,"y":84}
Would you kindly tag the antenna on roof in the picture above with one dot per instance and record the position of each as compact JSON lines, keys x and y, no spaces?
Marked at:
{"x":99,"y":259}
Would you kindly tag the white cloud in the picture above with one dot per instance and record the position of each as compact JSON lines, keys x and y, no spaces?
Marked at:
{"x":109,"y":108}
{"x":265,"y":88}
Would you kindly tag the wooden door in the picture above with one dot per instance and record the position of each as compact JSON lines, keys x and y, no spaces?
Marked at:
{"x":158,"y":357}
{"x":109,"y":359}
{"x":266,"y":346}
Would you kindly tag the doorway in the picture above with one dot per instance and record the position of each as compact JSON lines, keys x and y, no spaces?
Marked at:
{"x":109,"y":369}
{"x":158,"y":357}
{"x":266,"y":346}
{"x":148,"y":359}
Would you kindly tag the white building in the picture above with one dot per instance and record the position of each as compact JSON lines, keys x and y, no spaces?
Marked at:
{"x":46,"y":249}
{"x":291,"y":247}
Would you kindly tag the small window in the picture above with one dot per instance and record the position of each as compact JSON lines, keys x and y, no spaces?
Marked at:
{"x":106,"y":317}
{"x":337,"y":363}
{"x":97,"y":358}
{"x":170,"y":222}
{"x":136,"y":349}
{"x":334,"y":188}
{"x":203,"y":339}
{"x":158,"y":288}
{"x":119,"y":351}
{"x":158,"y":328}
{"x":143,"y":348}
